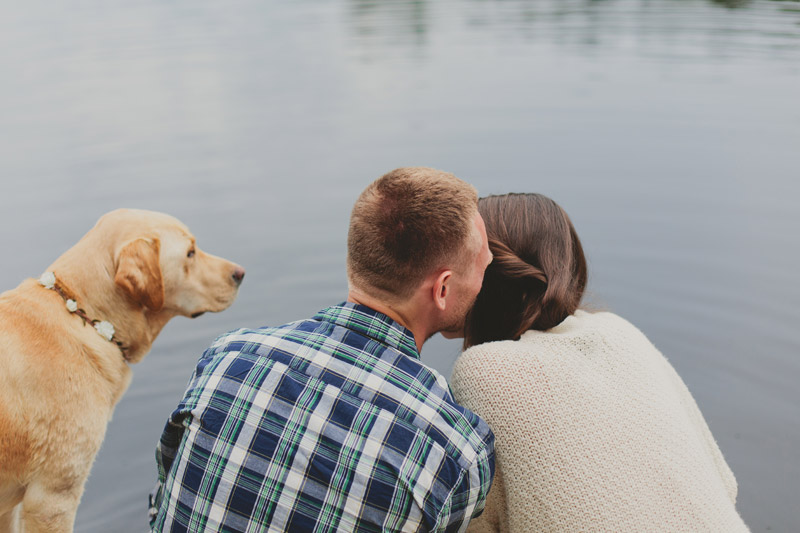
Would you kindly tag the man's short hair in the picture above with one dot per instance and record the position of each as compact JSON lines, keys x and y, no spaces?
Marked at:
{"x":405,"y":225}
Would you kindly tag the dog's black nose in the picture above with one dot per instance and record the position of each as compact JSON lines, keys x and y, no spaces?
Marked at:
{"x":238,"y":275}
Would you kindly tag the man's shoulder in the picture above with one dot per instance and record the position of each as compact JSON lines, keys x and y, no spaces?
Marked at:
{"x":236,"y":339}
{"x":359,"y":366}
{"x":250,"y":346}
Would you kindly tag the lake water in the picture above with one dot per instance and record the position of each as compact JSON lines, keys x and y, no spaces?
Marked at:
{"x":669,"y":130}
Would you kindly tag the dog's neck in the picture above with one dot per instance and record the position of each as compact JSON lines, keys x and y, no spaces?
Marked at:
{"x":93,"y":288}
{"x":104,"y":328}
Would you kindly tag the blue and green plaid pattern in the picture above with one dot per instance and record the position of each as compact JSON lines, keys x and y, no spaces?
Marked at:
{"x":320,"y":425}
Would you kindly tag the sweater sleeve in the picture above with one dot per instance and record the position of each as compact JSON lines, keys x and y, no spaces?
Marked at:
{"x":694,"y":414}
{"x":476,"y":376}
{"x":687,"y":402}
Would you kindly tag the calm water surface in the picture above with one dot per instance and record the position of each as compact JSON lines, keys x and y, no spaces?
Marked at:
{"x":669,"y":130}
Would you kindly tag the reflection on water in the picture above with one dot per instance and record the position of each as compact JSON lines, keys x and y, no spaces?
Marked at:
{"x":734,"y":29}
{"x":667,"y":129}
{"x":408,"y":19}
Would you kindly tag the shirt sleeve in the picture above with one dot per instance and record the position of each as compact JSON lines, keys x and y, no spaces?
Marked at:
{"x":171,"y":437}
{"x":493,"y":519}
{"x":468,"y":497}
{"x":166,"y":451}
{"x":165,"y":455}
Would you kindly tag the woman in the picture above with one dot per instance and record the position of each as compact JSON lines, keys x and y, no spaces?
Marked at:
{"x":595,"y":431}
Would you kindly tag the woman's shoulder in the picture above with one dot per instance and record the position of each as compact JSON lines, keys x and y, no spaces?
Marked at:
{"x":585,"y":323}
{"x":487,"y":362}
{"x":532,"y":341}
{"x":578,"y":331}
{"x":614,"y":327}
{"x":489,"y":353}
{"x":486,"y":377}
{"x":586,"y":318}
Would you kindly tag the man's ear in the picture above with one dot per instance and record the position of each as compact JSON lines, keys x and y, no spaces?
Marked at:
{"x":139,"y":272}
{"x":441,"y":289}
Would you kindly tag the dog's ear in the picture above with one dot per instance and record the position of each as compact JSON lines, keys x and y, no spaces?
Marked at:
{"x":139,"y":272}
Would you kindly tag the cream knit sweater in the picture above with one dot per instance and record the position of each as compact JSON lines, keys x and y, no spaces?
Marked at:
{"x":595,"y":431}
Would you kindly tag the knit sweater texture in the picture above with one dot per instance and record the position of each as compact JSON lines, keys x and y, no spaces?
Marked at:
{"x":595,"y":431}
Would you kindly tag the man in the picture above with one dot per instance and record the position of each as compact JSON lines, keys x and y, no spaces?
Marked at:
{"x":333,"y":423}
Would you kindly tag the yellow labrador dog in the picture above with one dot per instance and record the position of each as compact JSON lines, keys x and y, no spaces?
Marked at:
{"x":66,"y":341}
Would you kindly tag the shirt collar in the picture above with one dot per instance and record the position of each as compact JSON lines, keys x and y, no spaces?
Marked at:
{"x":372,"y":324}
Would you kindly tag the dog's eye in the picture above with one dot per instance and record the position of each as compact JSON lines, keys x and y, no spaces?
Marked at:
{"x":191,"y":253}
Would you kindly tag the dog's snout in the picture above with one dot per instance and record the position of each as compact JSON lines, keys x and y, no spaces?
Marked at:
{"x":238,"y":275}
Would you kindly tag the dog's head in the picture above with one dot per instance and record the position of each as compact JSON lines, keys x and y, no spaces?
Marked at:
{"x":159,"y":266}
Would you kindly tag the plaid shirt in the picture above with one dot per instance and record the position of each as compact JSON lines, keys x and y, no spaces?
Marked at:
{"x":325,"y":424}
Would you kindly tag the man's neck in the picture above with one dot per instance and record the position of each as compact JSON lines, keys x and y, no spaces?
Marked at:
{"x":397,"y":312}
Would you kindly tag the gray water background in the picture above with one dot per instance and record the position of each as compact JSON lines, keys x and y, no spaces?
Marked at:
{"x":669,"y":130}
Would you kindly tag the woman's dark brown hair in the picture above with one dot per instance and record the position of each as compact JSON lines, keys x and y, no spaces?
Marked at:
{"x":538,"y":274}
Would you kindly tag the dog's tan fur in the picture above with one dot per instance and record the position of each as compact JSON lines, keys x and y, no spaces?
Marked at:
{"x":60,"y":380}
